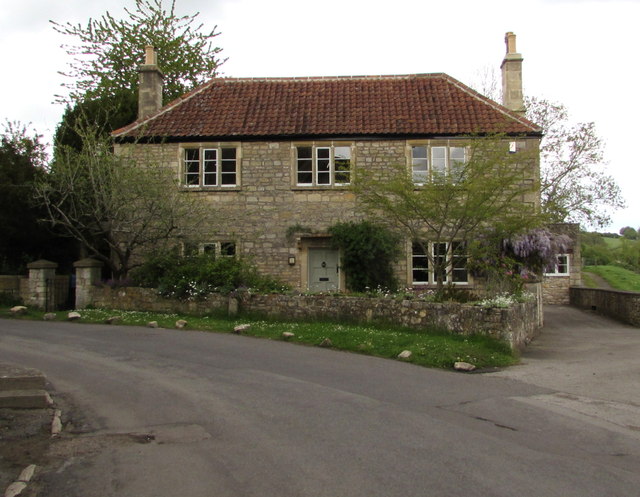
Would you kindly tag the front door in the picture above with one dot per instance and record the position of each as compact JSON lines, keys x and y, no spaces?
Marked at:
{"x":323,"y":270}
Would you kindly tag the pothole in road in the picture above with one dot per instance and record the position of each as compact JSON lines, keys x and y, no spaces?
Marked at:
{"x":70,"y":445}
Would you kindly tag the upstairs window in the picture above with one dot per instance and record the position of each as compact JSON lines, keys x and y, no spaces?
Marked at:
{"x":323,"y":165}
{"x":436,"y":162}
{"x":210,"y":167}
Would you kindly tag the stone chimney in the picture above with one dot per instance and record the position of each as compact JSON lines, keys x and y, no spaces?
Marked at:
{"x":150,"y":87}
{"x":512,"y":97}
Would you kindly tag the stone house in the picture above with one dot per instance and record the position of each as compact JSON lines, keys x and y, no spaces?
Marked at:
{"x":274,"y":156}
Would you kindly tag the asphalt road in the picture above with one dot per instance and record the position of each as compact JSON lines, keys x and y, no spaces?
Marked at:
{"x":166,"y":413}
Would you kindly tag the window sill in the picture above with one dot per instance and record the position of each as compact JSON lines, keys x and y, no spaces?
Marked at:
{"x":434,"y":286}
{"x":210,"y":188}
{"x":320,"y":187}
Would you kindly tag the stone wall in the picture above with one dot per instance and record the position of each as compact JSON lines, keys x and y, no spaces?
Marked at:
{"x":517,"y":325}
{"x":42,"y":288}
{"x":11,"y":284}
{"x":147,"y":299}
{"x":621,"y":306}
{"x":261,"y":214}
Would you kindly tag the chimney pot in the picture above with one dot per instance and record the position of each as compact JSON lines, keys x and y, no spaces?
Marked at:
{"x":150,"y":55}
{"x":510,"y":41}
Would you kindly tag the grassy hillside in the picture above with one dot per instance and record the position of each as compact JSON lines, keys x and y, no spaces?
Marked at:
{"x":612,"y":243}
{"x":618,"y":277}
{"x":598,"y":250}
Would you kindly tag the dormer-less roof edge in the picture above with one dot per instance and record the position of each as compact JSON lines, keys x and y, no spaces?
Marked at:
{"x":170,"y":106}
{"x":128,"y":131}
{"x":500,"y":108}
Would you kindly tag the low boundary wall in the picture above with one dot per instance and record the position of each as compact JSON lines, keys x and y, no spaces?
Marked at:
{"x":616,"y":304}
{"x":516,"y":325}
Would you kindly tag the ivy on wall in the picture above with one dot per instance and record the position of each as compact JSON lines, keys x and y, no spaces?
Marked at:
{"x":368,"y":251}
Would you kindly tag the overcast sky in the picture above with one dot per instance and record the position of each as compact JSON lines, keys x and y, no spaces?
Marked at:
{"x":583,"y":53}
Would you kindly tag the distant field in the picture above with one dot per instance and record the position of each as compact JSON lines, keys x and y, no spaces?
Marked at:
{"x":612,"y":243}
{"x":619,"y":278}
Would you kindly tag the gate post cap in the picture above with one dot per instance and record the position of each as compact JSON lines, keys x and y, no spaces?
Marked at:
{"x":87,"y":262}
{"x":42,"y":264}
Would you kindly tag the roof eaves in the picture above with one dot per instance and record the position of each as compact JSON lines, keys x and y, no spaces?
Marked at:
{"x":500,"y":108}
{"x":140,"y":123}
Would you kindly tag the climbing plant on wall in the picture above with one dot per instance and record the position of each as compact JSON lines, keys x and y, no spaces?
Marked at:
{"x":368,"y":251}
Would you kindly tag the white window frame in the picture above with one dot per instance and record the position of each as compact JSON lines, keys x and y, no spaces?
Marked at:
{"x":454,"y":269}
{"x":435,"y":256}
{"x":553,"y":271}
{"x":323,"y":159}
{"x":449,"y":270}
{"x":219,"y":249}
{"x":424,"y":263}
{"x":427,"y":159}
{"x":212,"y":166}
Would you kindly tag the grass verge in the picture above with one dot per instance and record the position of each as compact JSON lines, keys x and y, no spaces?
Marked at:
{"x":431,"y":348}
{"x":588,"y":280}
{"x":618,"y":277}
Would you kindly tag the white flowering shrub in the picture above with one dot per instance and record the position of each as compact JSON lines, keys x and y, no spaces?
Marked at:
{"x":505,"y":300}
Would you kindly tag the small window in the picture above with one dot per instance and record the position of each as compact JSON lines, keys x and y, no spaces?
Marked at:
{"x":419,"y":165}
{"x":192,"y":167}
{"x":209,"y":248}
{"x":449,"y":261}
{"x":560,"y":268}
{"x":457,"y":161}
{"x":437,"y":163}
{"x":228,"y":249}
{"x":439,"y":261}
{"x":323,"y":165}
{"x":459,"y":272}
{"x":305,"y":166}
{"x":342,"y":165}
{"x":210,"y":167}
{"x":419,"y":264}
{"x":218,"y":249}
{"x":228,"y":167}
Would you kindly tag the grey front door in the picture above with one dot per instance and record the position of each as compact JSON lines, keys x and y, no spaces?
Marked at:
{"x":323,"y":270}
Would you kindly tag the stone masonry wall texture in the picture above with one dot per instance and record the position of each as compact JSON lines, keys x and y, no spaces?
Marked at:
{"x":259,"y":214}
{"x":517,"y":325}
{"x":622,"y":306}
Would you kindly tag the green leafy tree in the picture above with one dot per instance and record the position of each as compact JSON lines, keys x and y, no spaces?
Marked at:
{"x":482,"y":199}
{"x":594,"y":251}
{"x":107,"y":113}
{"x":115,"y":208}
{"x":367,"y":253}
{"x":106,"y":53}
{"x":574,"y":183}
{"x":109,"y":50}
{"x":24,"y":239}
{"x":629,"y":233}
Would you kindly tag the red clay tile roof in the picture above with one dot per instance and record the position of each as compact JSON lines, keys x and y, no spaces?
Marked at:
{"x":425,"y":104}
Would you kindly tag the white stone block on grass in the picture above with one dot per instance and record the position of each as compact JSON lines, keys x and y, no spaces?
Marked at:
{"x":241,"y":328}
{"x":463,"y":366}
